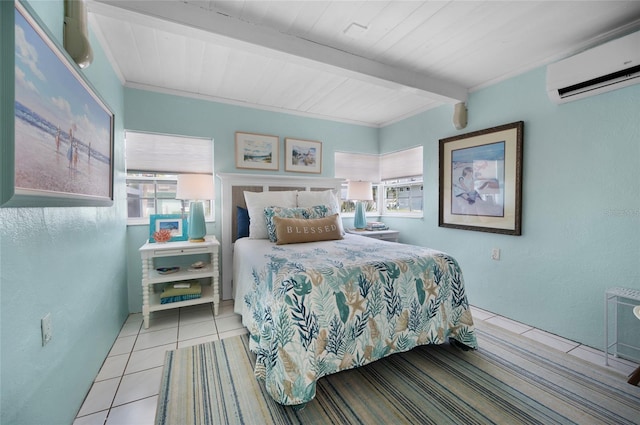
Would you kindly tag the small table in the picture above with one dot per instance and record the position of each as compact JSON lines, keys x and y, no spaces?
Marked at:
{"x":150,"y":276}
{"x":635,"y":375}
{"x":384,"y":235}
{"x":617,"y":296}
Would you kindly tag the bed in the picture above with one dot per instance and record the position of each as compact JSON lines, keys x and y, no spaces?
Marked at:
{"x":319,"y":307}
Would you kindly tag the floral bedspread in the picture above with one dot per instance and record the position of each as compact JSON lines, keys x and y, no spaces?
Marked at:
{"x":318,"y":308}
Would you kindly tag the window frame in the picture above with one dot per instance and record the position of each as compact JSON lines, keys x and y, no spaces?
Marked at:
{"x":160,"y":177}
{"x":371,"y":167}
{"x":412,"y":181}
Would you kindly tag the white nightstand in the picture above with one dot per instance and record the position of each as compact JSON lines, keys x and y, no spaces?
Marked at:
{"x":384,"y":235}
{"x":208,"y":275}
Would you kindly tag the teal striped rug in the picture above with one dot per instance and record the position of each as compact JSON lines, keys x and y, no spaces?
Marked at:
{"x":508,"y":380}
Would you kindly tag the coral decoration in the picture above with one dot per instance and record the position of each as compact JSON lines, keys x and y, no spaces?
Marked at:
{"x":162,"y":235}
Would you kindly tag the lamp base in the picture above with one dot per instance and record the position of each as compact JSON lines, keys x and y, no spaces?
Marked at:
{"x":360,"y":219}
{"x":197,"y":226}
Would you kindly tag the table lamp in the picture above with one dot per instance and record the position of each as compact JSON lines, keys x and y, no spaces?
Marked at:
{"x":359,"y":191}
{"x":196,"y":188}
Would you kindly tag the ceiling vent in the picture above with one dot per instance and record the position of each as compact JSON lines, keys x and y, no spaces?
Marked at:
{"x":355,"y":30}
{"x":607,"y":67}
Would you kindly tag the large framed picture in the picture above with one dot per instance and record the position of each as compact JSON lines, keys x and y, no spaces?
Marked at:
{"x":257,"y":151}
{"x":481,"y":180}
{"x":175,"y":223}
{"x":303,"y":156}
{"x":57,"y":133}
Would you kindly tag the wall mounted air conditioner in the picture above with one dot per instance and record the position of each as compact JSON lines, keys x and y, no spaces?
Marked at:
{"x":607,"y":67}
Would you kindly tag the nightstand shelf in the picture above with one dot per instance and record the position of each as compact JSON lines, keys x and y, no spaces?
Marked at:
{"x":384,"y":235}
{"x":206,"y":297}
{"x":206,"y":276}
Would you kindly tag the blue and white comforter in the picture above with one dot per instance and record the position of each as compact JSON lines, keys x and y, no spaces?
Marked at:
{"x":317,"y":308}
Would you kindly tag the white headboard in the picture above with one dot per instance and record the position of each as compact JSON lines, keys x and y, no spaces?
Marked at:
{"x":233,"y":186}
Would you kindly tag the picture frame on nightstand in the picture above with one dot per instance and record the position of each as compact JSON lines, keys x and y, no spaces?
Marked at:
{"x":176,"y":223}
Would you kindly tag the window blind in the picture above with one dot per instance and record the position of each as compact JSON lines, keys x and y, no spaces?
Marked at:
{"x":168,"y":153}
{"x":357,"y":166}
{"x":405,"y":163}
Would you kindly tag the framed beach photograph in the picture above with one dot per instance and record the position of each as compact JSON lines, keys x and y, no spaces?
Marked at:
{"x":176,"y":223}
{"x":481,"y":180}
{"x":303,"y":156}
{"x":257,"y":151}
{"x":57,"y":133}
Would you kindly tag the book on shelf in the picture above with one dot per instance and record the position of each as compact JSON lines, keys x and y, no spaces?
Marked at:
{"x":181,"y":291}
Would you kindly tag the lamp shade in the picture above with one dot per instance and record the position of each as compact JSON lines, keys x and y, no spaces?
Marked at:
{"x":359,"y":191}
{"x":195,"y":186}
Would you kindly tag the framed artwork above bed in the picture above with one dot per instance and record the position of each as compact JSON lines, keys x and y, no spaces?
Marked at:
{"x":303,"y":156}
{"x":481,"y":180}
{"x":257,"y":151}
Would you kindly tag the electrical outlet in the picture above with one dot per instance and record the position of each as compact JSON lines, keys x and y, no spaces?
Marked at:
{"x":495,"y":254}
{"x":47,"y":329}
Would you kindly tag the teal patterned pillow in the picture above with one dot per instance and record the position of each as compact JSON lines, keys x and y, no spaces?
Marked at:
{"x":317,"y":211}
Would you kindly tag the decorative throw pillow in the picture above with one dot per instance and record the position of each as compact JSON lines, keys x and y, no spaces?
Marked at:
{"x":317,"y":211}
{"x":257,"y":201}
{"x":242,"y":220}
{"x":298,"y":230}
{"x":308,"y":198}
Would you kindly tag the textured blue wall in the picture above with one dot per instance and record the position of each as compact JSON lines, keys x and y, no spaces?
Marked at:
{"x":581,"y":224}
{"x":581,"y":209}
{"x":69,"y":262}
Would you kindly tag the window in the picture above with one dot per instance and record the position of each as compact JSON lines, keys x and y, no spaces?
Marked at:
{"x":397,"y":178}
{"x":348,"y":206}
{"x":403,"y":196}
{"x":355,"y":166}
{"x":401,"y":175}
{"x":153,"y":164}
{"x":151,"y":193}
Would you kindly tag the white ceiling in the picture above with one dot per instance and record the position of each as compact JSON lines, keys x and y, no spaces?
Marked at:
{"x":299,"y":57}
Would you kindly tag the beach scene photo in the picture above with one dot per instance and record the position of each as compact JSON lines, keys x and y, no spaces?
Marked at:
{"x":477,"y":180}
{"x":303,"y":156}
{"x":258,"y":151}
{"x":63,"y":132}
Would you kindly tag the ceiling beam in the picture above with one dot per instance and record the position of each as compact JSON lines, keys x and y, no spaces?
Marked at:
{"x":194,"y":21}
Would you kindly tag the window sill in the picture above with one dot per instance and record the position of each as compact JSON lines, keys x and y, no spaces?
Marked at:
{"x":145,"y":221}
{"x":405,"y":215}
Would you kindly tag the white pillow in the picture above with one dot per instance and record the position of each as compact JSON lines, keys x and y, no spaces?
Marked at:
{"x":256,"y":203}
{"x":310,"y":198}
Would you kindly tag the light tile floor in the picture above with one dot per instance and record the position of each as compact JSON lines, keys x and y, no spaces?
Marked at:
{"x":125,"y":391}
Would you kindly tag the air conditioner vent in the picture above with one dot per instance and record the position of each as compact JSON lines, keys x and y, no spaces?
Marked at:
{"x":596,"y":83}
{"x":607,"y":67}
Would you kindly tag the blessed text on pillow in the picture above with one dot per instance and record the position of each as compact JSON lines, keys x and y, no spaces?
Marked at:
{"x":299,"y":230}
{"x":317,"y":211}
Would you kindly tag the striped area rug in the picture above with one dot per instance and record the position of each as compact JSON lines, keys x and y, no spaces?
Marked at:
{"x":508,"y":380}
